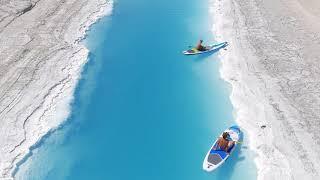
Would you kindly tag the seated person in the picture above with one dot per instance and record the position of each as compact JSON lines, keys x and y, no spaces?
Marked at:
{"x":200,"y":47}
{"x":223,"y":143}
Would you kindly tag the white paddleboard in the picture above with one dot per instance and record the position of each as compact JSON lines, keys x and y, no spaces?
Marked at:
{"x":215,"y":157}
{"x":210,"y":48}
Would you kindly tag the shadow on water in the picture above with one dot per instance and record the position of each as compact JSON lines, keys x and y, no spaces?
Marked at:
{"x":206,"y":55}
{"x":230,"y":165}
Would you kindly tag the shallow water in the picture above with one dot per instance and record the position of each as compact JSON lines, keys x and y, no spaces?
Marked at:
{"x":142,"y":109}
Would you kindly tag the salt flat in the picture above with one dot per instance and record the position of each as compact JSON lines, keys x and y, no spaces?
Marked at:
{"x":273,"y":65}
{"x":41,"y":58}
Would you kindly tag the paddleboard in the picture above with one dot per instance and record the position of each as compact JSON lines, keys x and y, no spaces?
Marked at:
{"x":216,"y":157}
{"x":210,"y":48}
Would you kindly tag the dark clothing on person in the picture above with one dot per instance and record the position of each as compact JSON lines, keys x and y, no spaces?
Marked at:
{"x":200,"y":47}
{"x":223,"y":143}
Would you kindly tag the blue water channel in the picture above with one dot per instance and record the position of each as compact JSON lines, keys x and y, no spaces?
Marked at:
{"x":142,"y":110}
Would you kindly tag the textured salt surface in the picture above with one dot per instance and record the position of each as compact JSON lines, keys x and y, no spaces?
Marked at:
{"x":272,"y":63}
{"x":41,"y":60}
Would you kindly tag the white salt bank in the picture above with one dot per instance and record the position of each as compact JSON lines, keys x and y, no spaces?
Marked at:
{"x":41,"y":60}
{"x":273,"y":65}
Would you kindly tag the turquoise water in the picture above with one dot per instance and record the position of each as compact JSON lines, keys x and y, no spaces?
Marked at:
{"x":143,"y":110}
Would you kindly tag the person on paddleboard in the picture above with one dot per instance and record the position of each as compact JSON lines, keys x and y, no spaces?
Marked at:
{"x":224,"y":143}
{"x":200,"y":47}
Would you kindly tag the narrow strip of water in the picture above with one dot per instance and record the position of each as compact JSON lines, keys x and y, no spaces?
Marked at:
{"x":142,"y":109}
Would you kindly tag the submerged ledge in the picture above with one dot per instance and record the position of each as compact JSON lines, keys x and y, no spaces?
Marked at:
{"x":272,"y":65}
{"x":42,"y":59}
